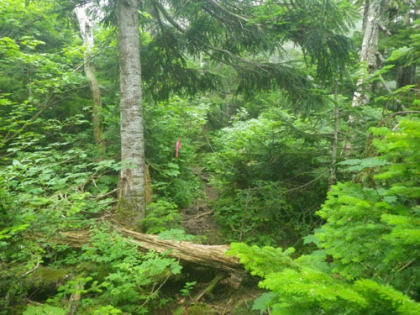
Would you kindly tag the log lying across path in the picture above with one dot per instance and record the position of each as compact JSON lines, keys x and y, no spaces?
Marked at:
{"x":210,"y":256}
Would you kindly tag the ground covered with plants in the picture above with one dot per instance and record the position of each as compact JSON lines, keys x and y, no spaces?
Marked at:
{"x":281,"y":138}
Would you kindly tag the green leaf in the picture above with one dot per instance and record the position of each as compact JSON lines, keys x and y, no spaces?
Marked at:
{"x":311,"y":239}
{"x":44,"y":310}
{"x":360,"y":164}
{"x":264,"y":301}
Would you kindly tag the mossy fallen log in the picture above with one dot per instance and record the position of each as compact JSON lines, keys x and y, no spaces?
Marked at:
{"x":210,"y":256}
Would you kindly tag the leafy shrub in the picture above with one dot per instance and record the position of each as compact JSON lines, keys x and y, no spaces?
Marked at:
{"x":254,"y":214}
{"x":368,"y":247}
{"x":173,"y":178}
{"x":160,"y":216}
{"x":44,"y":310}
{"x":262,"y":169}
{"x":118,"y":277}
{"x":44,"y":192}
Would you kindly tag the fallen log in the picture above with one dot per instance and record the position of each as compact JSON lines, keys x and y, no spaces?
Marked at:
{"x":210,"y":256}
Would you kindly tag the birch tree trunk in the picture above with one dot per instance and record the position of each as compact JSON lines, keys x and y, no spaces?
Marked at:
{"x":85,"y":25}
{"x":372,"y":19}
{"x":131,"y":203}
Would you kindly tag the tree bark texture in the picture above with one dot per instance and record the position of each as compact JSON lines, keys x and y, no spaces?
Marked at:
{"x":85,"y":25}
{"x":131,"y":204}
{"x":209,"y":256}
{"x":406,"y":75}
{"x":373,"y":17}
{"x":333,"y":176}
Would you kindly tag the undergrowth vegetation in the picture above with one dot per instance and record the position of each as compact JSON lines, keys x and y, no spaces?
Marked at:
{"x":371,"y":236}
{"x":252,"y":132}
{"x":262,"y":169}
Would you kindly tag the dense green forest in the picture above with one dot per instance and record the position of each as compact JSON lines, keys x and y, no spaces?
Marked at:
{"x":209,"y":157}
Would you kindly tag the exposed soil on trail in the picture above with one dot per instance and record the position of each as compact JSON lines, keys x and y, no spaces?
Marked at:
{"x":225,"y":301}
{"x":227,"y":297}
{"x":198,"y":219}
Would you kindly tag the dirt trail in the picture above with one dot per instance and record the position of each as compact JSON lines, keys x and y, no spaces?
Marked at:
{"x":198,"y":219}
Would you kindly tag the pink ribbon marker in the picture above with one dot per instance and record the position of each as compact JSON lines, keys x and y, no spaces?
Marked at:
{"x":178,"y":147}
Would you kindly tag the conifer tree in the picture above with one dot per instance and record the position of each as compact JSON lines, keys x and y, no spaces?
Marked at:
{"x":227,"y":33}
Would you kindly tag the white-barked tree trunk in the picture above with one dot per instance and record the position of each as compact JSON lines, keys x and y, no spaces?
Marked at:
{"x":85,"y":25}
{"x":373,"y":17}
{"x":131,"y":205}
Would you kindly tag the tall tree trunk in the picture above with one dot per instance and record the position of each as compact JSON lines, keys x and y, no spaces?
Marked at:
{"x":86,"y":31}
{"x":333,"y":176}
{"x":406,"y":75}
{"x":131,"y":204}
{"x":372,"y":19}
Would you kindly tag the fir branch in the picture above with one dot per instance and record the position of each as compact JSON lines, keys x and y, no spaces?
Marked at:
{"x":168,"y":17}
{"x":231,"y":14}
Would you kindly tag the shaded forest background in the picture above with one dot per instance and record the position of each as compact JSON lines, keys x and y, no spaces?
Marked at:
{"x":299,"y":132}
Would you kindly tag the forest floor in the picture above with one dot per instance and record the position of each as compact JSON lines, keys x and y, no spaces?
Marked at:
{"x":224,"y":299}
{"x":198,"y":290}
{"x":198,"y":219}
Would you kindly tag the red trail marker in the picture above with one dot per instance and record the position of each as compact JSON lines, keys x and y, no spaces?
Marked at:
{"x":178,"y":147}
